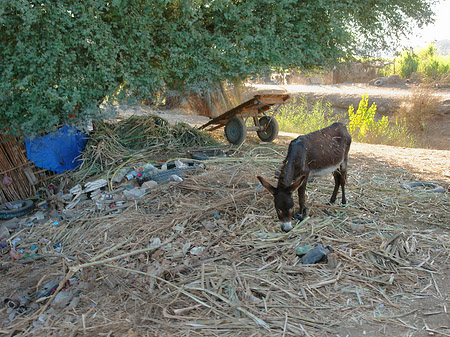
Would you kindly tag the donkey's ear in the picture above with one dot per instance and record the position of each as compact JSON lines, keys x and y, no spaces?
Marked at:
{"x":266,"y":184}
{"x":295,"y":185}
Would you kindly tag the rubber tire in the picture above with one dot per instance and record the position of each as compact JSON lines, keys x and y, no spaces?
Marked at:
{"x":271,"y":129}
{"x":236,"y":130}
{"x":435,"y":188}
{"x":27,"y":207}
{"x":378,"y":83}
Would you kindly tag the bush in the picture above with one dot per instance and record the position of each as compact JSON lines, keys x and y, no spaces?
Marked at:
{"x":431,"y":65}
{"x":417,"y":108}
{"x":363,"y":127}
{"x":407,"y":63}
{"x":300,"y":117}
{"x":425,"y":64}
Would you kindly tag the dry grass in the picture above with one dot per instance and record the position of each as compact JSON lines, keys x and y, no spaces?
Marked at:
{"x":418,"y":108}
{"x":205,"y":257}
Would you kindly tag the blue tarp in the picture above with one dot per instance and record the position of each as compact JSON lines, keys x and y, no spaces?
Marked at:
{"x":58,"y":151}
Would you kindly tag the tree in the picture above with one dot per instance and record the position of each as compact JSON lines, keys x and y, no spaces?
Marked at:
{"x":61,"y":59}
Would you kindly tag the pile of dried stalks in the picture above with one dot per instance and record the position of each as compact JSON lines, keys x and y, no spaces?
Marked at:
{"x":205,"y":257}
{"x":134,"y":139}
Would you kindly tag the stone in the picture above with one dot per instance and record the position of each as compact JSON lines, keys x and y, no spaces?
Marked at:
{"x":62,"y":299}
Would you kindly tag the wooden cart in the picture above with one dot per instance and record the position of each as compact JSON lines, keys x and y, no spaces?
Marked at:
{"x":235,"y":120}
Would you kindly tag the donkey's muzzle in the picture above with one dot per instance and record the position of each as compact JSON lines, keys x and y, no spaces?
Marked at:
{"x":286,"y":226}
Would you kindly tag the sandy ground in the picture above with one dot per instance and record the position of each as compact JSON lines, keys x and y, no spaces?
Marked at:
{"x":126,"y":303}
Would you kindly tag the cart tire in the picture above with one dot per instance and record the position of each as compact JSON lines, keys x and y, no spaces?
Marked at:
{"x":236,"y":130}
{"x":25,"y":206}
{"x":270,"y":129}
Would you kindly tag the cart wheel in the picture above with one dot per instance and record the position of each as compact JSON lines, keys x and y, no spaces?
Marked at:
{"x":236,"y":130}
{"x":269,"y":130}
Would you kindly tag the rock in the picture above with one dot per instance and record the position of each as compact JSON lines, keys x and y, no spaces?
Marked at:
{"x":4,"y":233}
{"x":11,"y":223}
{"x":62,"y":299}
{"x":176,"y":178}
{"x":74,"y":302}
{"x":119,"y":175}
{"x":39,"y":215}
{"x":197,"y":250}
{"x":332,"y":260}
{"x":357,"y":228}
{"x":149,"y":184}
{"x":316,"y":255}
{"x":83,"y":285}
{"x":135,"y":193}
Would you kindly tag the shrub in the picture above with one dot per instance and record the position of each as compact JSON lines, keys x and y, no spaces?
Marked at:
{"x":363,"y":126}
{"x":424,"y":64}
{"x":431,"y":65}
{"x":300,"y":117}
{"x":407,"y":63}
{"x":417,"y":108}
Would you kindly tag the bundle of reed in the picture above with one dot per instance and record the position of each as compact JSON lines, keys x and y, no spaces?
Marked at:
{"x":15,"y":165}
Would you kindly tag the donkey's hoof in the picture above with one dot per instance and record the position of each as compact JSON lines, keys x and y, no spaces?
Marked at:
{"x":298,"y":216}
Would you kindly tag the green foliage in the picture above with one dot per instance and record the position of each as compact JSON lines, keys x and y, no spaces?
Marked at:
{"x":363,"y":126}
{"x":425,"y":61}
{"x":64,"y":58}
{"x":299,"y":117}
{"x":407,"y":63}
{"x":362,"y":121}
{"x":431,"y":65}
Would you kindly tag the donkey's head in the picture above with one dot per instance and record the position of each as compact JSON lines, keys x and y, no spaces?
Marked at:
{"x":282,"y":197}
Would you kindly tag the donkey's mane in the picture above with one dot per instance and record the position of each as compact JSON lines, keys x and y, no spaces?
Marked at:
{"x":282,"y":177}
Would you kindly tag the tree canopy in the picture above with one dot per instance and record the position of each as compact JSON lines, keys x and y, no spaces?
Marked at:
{"x":60,"y":59}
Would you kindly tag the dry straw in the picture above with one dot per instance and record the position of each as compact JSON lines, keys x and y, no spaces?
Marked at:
{"x":206,"y":257}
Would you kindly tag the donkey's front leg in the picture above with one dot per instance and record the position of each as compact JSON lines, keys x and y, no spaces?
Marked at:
{"x":302,"y":200}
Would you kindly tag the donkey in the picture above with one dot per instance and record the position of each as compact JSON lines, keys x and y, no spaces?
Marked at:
{"x":315,"y":154}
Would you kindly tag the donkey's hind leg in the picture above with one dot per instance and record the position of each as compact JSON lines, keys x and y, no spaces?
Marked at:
{"x":343,"y":181}
{"x":343,"y":172}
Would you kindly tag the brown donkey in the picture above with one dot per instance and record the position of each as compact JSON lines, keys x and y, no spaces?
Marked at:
{"x":315,"y":154}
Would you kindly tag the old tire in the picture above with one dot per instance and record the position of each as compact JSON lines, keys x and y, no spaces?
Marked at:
{"x":236,"y":130}
{"x":378,"y":83}
{"x":24,"y":207}
{"x":427,"y":187}
{"x":270,"y":129}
